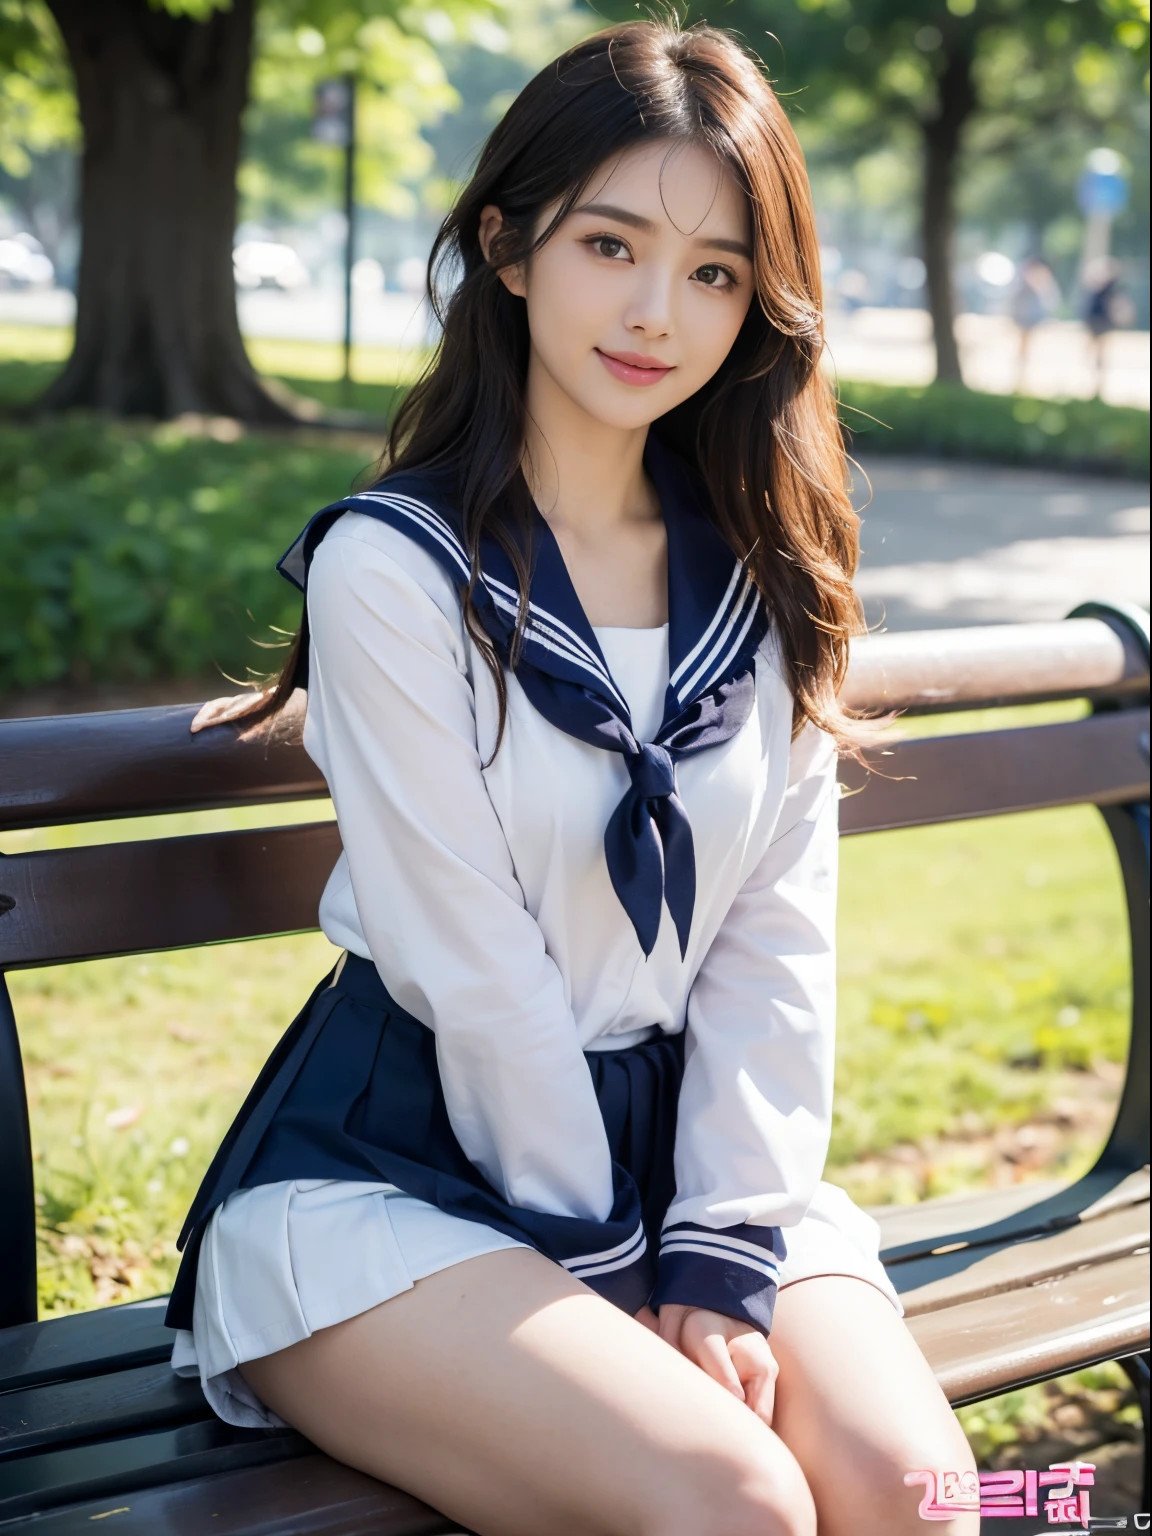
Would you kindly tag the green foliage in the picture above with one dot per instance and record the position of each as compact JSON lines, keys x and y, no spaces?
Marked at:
{"x":390,"y":45}
{"x":37,"y":104}
{"x":953,"y":421}
{"x":1049,"y":79}
{"x":130,"y":552}
{"x":1100,"y":1402}
{"x":402,"y":89}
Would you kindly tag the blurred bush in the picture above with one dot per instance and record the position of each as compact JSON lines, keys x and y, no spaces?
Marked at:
{"x":135,"y":552}
{"x":952,"y":421}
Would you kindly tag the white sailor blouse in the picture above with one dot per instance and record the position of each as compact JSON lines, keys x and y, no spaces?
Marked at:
{"x":598,"y":883}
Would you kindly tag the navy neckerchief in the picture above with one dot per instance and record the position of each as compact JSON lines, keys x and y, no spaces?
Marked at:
{"x":716,"y":621}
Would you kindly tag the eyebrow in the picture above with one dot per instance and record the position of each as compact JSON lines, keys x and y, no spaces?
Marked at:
{"x":638,"y":221}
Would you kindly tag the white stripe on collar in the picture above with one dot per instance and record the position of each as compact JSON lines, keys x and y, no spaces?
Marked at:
{"x":719,"y":670}
{"x":545,"y":629}
{"x":733,"y":618}
{"x":707,"y":635}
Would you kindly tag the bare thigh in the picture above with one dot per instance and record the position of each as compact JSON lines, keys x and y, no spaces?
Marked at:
{"x":515,"y":1400}
{"x":858,"y":1405}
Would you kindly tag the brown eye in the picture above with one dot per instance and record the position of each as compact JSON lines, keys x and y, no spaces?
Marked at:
{"x":713,"y":276}
{"x":610,"y":246}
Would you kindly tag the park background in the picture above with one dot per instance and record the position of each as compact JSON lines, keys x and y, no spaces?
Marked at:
{"x":176,"y":398}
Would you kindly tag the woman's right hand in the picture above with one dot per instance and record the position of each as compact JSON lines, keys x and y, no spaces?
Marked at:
{"x":234,"y":707}
{"x":733,"y":1353}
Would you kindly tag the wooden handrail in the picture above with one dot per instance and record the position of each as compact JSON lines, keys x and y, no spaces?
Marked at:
{"x":57,"y":769}
{"x":945,"y":669}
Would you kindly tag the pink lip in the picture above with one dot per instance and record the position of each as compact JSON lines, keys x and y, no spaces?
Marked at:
{"x":634,"y":367}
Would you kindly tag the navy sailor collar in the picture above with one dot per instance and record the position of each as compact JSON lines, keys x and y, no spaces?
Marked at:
{"x":716,"y":622}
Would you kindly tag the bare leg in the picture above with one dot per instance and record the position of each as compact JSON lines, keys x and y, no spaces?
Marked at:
{"x":512,"y":1398}
{"x":857,"y":1403}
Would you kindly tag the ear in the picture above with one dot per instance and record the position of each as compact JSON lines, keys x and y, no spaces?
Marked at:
{"x":491,"y":223}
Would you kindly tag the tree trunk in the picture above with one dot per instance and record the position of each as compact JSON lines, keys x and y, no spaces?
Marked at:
{"x":956,"y":100}
{"x":160,"y":100}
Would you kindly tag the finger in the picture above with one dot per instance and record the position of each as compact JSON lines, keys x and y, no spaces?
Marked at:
{"x":757,"y":1369}
{"x":218,"y":711}
{"x":648,"y":1319}
{"x":760,"y":1395}
{"x":671,"y":1322}
{"x":710,"y":1353}
{"x":212,"y":713}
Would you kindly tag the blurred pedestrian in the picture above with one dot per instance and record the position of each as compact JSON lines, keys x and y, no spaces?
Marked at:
{"x":1106,"y":307}
{"x":1035,"y":298}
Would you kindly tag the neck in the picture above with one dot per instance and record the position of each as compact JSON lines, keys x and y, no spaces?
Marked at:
{"x":585,"y":476}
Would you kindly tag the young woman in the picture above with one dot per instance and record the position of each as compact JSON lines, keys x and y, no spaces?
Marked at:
{"x":525,"y":1212}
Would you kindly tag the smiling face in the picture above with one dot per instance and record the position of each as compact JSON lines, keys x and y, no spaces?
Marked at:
{"x":636,"y":299}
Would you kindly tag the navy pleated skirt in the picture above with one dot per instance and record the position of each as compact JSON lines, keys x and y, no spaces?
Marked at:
{"x":352,"y":1091}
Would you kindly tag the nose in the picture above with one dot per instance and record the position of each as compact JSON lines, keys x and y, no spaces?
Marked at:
{"x":650,"y":304}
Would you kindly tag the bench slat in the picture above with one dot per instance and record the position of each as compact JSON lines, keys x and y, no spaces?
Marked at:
{"x":84,"y":1344}
{"x":59,"y":769}
{"x":168,"y":893}
{"x":310,"y":1496}
{"x":997,"y":1343}
{"x":1102,"y":759}
{"x":947,"y":1279}
{"x":989,"y":1217}
{"x":148,"y":1397}
{"x":29,"y":1484}
{"x":133,"y":898}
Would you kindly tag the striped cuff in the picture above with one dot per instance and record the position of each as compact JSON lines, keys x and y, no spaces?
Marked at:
{"x":622,"y":1275}
{"x":733,"y":1271}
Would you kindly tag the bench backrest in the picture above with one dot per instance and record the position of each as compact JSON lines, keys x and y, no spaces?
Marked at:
{"x":166,"y":893}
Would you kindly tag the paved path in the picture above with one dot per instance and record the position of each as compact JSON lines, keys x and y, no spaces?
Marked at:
{"x":947,"y":543}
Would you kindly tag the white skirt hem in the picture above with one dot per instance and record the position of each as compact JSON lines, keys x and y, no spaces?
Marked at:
{"x":282,"y":1261}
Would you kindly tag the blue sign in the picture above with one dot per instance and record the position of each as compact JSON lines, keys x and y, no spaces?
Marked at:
{"x":1102,"y":192}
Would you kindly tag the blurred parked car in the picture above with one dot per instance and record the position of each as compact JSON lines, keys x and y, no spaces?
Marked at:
{"x":23,"y":263}
{"x":268,"y":264}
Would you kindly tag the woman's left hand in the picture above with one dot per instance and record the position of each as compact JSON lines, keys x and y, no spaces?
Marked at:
{"x":731,"y":1352}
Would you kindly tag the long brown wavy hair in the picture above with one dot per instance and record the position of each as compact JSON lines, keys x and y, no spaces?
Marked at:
{"x":762,"y":433}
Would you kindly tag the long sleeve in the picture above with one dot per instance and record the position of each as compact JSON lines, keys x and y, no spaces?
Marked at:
{"x":391,"y":722}
{"x":756,"y":1101}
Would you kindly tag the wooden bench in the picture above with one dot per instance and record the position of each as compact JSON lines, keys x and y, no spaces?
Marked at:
{"x":1001,"y":1289}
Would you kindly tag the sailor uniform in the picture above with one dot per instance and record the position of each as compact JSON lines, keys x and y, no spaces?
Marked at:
{"x":589,"y":1000}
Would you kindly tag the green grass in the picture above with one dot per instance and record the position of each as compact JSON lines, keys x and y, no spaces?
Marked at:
{"x":31,"y":357}
{"x":983,"y":968}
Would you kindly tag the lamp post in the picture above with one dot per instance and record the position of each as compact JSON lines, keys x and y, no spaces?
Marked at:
{"x":334,"y":122}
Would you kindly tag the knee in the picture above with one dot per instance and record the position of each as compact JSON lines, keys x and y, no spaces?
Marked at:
{"x":757,"y":1492}
{"x":893,"y":1506}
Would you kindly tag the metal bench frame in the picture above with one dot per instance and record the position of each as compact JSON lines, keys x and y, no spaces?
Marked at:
{"x":88,"y":1407}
